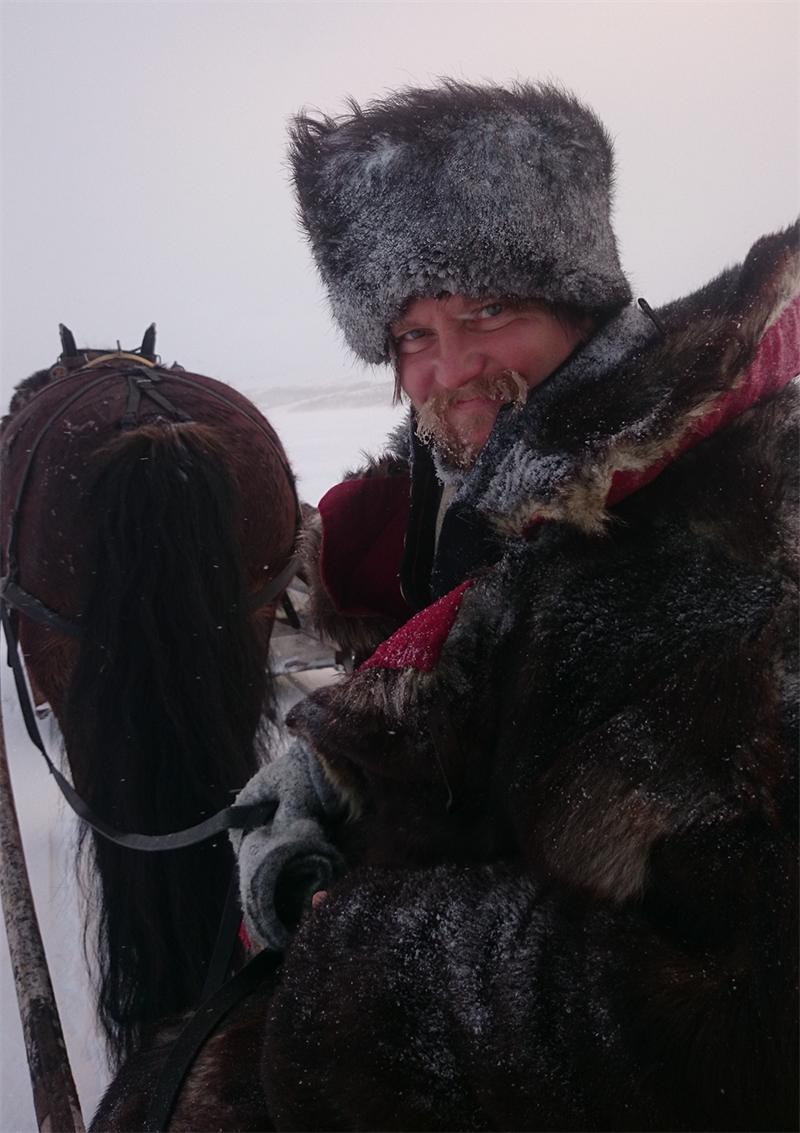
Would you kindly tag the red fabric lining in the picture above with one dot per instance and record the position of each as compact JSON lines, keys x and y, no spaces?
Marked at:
{"x":776,"y":363}
{"x":419,"y":642}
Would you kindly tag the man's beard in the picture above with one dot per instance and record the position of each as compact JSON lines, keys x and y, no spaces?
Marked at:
{"x":453,"y":451}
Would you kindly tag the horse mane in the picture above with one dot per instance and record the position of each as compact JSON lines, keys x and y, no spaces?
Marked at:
{"x":24,"y":391}
{"x":170,"y":686}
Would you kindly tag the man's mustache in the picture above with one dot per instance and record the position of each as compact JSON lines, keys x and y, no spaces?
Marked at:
{"x":506,"y":387}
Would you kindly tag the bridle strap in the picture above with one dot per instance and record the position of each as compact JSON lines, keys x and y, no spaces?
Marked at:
{"x":37,"y":611}
{"x":272,"y":589}
{"x":14,"y":595}
{"x":144,"y":385}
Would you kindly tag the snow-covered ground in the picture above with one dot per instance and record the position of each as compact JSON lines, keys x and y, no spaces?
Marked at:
{"x":324,"y":430}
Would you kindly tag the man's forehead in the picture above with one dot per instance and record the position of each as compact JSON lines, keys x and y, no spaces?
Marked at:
{"x":453,"y":304}
{"x":456,"y":306}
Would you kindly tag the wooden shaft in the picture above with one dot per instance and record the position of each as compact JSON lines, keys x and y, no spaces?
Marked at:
{"x":55,"y":1098}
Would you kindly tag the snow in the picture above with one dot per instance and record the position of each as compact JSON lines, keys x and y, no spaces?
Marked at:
{"x":324,"y":430}
{"x":49,"y":835}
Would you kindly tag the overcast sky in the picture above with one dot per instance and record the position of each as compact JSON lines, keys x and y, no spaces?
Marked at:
{"x":144,"y":171}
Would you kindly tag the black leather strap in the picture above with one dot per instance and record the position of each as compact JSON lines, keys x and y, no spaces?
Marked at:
{"x":230,"y":818}
{"x":202,"y":1024}
{"x":143,"y":385}
{"x":37,"y":611}
{"x":270,"y":591}
{"x":231,"y":921}
{"x":227,"y":935}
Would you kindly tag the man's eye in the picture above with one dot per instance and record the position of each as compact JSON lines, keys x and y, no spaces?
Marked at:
{"x":411,"y":340}
{"x":490,"y":310}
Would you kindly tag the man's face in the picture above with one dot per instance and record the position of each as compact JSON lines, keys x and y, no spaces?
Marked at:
{"x":461,"y":359}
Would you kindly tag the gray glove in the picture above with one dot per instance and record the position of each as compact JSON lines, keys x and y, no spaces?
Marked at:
{"x":282,"y":864}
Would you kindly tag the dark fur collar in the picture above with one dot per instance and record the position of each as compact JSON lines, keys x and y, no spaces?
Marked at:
{"x":628,"y":398}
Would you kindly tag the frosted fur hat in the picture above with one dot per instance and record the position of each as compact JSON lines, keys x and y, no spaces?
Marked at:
{"x":479,"y":190}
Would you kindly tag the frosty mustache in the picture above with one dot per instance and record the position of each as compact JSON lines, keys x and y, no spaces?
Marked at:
{"x":432,"y":424}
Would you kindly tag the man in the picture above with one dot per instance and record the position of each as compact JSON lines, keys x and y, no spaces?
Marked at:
{"x":559,"y":799}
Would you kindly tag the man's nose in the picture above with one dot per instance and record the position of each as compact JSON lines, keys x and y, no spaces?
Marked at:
{"x":457,"y":364}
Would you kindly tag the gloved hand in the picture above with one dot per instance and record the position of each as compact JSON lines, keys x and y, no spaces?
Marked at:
{"x":284,"y":863}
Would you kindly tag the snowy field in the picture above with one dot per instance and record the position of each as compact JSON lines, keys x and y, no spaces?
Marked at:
{"x":324,"y":430}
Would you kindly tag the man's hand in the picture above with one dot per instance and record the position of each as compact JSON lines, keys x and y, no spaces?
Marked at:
{"x":284,"y":865}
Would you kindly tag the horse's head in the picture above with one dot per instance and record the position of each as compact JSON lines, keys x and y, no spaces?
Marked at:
{"x":71,"y":358}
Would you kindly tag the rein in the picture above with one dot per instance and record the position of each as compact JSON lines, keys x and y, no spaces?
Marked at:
{"x":12,"y":594}
{"x":197,"y":1031}
{"x":229,"y":818}
{"x":219,"y":995}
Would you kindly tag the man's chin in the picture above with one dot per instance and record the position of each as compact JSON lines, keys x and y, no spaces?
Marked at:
{"x":455,"y":451}
{"x":472,"y":437}
{"x":455,"y":455}
{"x":451,"y":470}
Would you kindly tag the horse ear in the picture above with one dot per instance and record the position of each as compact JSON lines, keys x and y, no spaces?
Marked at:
{"x":68,"y":347}
{"x":149,"y":340}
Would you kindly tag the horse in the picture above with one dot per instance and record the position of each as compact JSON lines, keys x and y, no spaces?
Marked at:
{"x":149,"y":519}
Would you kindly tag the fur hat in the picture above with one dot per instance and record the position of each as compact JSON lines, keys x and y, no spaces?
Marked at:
{"x":479,"y":190}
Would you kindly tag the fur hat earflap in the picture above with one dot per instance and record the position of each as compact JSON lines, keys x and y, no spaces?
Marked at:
{"x":479,"y":190}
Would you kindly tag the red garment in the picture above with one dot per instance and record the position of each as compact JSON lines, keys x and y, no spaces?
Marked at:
{"x":364,"y":526}
{"x":419,"y":642}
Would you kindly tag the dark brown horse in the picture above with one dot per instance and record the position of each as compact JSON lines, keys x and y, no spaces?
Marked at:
{"x":145,"y":511}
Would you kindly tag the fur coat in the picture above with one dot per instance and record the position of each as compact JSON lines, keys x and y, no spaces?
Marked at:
{"x":571,"y":780}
